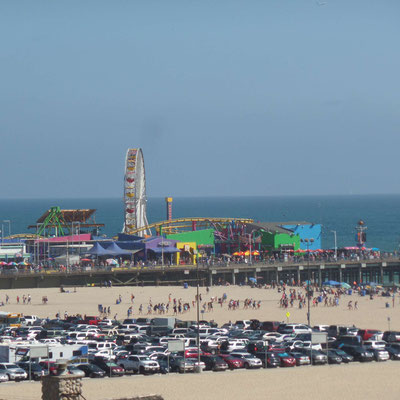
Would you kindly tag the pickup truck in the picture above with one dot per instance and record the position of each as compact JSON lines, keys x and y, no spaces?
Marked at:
{"x":89,"y":320}
{"x":139,"y":363}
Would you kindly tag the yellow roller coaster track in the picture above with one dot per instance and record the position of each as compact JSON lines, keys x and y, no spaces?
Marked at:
{"x":160,"y":224}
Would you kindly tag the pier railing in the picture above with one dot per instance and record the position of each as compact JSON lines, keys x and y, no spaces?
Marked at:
{"x":101,"y":269}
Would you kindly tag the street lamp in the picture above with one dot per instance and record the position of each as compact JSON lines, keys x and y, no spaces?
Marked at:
{"x":334,"y":234}
{"x":308,"y":242}
{"x":198,"y":367}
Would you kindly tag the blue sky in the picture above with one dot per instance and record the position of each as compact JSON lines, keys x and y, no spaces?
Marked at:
{"x":225,"y":97}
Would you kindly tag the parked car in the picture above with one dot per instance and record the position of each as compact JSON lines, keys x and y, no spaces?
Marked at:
{"x":394,"y":350}
{"x":13,"y":372}
{"x":367,"y":334}
{"x":180,"y":364}
{"x":359,"y":353}
{"x":35,"y":369}
{"x":286,"y":359}
{"x":232,"y":361}
{"x":346,"y":358}
{"x":3,"y":377}
{"x":250,"y":360}
{"x":74,"y":370}
{"x":380,"y":354}
{"x":271,"y":358}
{"x":301,"y":359}
{"x":333,"y":357}
{"x":269,"y":326}
{"x":110,"y":368}
{"x":391,"y":336}
{"x":214,"y":363}
{"x":316,"y":356}
{"x":139,"y":363}
{"x":374,"y":344}
{"x":91,"y":370}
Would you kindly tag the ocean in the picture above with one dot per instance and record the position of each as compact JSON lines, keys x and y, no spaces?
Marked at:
{"x":381,"y":213}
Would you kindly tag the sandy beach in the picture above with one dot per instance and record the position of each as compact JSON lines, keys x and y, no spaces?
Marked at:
{"x":354,"y":381}
{"x":370,"y":313}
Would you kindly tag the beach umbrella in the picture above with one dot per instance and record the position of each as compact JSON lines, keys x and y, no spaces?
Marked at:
{"x":23,"y":263}
{"x":86,"y":259}
{"x":255,"y":253}
{"x":236,"y":253}
{"x":111,"y":261}
{"x":254,"y":280}
{"x":345,"y":285}
{"x":3,"y":263}
{"x":12,"y":263}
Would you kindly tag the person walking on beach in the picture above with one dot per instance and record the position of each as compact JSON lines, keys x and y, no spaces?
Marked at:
{"x":356,"y":305}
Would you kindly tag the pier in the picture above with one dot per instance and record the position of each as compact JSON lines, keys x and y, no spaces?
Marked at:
{"x":381,"y":271}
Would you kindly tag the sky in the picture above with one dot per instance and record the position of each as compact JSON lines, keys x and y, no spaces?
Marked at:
{"x":271,"y":97}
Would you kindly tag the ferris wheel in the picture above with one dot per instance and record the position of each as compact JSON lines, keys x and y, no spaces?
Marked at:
{"x":135,"y":192}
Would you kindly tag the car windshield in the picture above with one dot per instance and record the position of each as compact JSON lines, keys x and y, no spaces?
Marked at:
{"x":144,"y":358}
{"x":11,"y":366}
{"x":283,"y":354}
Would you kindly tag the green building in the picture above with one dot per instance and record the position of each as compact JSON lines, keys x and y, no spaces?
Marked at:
{"x":202,"y":237}
{"x":274,"y":237}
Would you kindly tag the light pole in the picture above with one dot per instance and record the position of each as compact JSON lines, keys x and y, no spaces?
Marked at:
{"x":334,"y":235}
{"x":251,"y":260}
{"x":198,"y":367}
{"x":307,"y":242}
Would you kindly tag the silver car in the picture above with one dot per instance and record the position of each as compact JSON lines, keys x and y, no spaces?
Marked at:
{"x":3,"y":377}
{"x":250,"y":360}
{"x":13,"y":372}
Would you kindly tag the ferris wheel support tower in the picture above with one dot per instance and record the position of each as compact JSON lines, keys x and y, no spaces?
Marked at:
{"x":135,"y":192}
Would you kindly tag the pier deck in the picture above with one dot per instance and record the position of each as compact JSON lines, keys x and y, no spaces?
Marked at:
{"x":386,"y":272}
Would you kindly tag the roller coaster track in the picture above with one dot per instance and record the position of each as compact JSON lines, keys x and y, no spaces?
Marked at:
{"x":158,"y":225}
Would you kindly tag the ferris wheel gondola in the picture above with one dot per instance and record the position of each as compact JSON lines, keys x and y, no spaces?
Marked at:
{"x":135,"y":192}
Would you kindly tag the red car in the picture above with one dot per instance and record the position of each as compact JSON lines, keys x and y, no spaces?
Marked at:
{"x":89,"y":320}
{"x":192,"y":353}
{"x":367,"y":333}
{"x":233,"y":362}
{"x":286,"y":360}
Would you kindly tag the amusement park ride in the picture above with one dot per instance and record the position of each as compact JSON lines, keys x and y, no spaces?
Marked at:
{"x":135,"y":208}
{"x":57,"y":222}
{"x":135,"y":194}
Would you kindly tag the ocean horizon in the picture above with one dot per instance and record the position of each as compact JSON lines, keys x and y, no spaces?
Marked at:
{"x":340,"y":213}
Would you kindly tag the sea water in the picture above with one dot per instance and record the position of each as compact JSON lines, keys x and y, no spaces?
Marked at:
{"x":381,"y":213}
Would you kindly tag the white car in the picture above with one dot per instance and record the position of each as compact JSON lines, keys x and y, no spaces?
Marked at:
{"x":138,"y":363}
{"x":374,"y":344}
{"x":296,"y":328}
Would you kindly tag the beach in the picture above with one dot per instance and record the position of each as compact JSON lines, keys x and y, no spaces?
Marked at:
{"x":354,"y":381}
{"x":371,"y":314}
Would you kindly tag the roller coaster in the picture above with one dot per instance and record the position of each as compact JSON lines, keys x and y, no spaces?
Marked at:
{"x":190,"y":224}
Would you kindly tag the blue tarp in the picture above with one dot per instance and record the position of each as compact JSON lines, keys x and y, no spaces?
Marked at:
{"x":99,"y":250}
{"x":330,"y":283}
{"x":116,"y":250}
{"x":124,"y":237}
